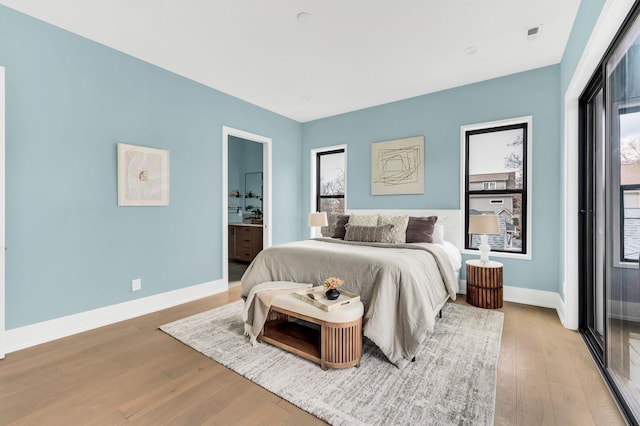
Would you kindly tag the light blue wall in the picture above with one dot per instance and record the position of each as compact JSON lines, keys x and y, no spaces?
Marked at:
{"x":236,"y":165}
{"x":438,"y":116}
{"x":585,"y":20}
{"x":68,"y":102}
{"x":245,"y":156}
{"x":252,"y":157}
{"x":583,"y":25}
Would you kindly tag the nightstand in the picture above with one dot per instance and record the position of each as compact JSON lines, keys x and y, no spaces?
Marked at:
{"x":484,"y":284}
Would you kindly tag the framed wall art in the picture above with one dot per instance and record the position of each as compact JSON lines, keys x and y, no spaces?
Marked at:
{"x":143,"y":176}
{"x":397,"y":166}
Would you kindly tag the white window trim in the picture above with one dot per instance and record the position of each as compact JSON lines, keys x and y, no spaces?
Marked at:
{"x":478,"y":126}
{"x":314,"y":153}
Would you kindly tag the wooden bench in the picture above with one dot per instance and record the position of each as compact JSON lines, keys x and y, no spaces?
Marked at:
{"x":336,"y":344}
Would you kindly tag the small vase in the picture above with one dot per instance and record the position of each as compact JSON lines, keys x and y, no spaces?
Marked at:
{"x":332,"y":294}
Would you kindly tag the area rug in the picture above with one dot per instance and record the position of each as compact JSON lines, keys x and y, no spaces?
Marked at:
{"x":452,"y":382}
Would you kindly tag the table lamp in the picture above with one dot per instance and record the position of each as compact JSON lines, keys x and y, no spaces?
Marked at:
{"x":316,"y":221}
{"x":484,"y":225}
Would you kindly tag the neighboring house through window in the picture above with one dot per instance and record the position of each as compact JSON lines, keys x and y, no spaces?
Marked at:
{"x":329,"y":183}
{"x":629,"y":136}
{"x":495,"y":182}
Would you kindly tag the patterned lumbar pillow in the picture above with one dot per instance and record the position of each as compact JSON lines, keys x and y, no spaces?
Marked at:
{"x":399,"y":227}
{"x":372,"y":234}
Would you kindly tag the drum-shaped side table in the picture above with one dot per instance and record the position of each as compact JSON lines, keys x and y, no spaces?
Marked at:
{"x":484,"y":284}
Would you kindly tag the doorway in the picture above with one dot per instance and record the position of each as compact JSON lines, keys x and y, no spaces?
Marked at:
{"x":246,"y":200}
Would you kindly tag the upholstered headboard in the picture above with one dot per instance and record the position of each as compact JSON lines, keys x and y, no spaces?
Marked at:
{"x":451,"y":219}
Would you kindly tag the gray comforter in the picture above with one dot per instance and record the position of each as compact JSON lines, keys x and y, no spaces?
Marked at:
{"x":400,"y":285}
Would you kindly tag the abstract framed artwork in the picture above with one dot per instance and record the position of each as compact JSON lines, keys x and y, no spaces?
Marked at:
{"x":143,"y":176}
{"x":397,"y":166}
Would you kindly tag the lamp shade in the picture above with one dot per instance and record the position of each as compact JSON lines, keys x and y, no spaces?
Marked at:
{"x":484,"y":224}
{"x":318,"y":219}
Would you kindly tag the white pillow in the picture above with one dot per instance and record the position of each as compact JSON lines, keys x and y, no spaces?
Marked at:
{"x":399,"y":231}
{"x":438,"y":233}
{"x":363,"y":219}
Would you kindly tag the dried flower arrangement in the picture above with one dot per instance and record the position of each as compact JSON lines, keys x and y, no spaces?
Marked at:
{"x":332,"y":283}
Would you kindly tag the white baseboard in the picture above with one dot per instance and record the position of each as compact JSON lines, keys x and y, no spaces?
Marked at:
{"x":527,"y":296}
{"x":46,"y":331}
{"x":628,"y":311}
{"x":562,"y":310}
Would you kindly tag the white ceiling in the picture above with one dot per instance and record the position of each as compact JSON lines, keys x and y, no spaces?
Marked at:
{"x":351,"y":54}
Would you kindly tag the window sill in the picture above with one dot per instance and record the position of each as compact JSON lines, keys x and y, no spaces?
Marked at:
{"x":499,"y":254}
{"x":626,"y":265}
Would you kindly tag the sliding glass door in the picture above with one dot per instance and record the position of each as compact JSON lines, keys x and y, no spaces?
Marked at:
{"x":610,"y":217}
{"x":623,"y":193}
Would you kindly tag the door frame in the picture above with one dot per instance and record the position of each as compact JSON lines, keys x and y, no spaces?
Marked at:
{"x":266,"y":196}
{"x":611,"y":19}
{"x":588,"y":217}
{"x":598,"y":80}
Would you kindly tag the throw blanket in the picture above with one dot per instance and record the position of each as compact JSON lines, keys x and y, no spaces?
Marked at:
{"x":400,"y":285}
{"x":258,"y":303}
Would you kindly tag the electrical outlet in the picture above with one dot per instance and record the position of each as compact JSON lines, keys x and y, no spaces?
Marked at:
{"x":136,"y":284}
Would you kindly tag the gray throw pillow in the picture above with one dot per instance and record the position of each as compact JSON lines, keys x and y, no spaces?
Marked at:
{"x":420,"y":229}
{"x":340,"y":230}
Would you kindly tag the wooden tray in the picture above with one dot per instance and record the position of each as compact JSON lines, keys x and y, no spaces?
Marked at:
{"x":320,"y":300}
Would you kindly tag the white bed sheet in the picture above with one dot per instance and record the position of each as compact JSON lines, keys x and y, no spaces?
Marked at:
{"x":454,"y":255}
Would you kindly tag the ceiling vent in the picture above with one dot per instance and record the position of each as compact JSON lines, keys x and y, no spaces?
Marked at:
{"x":532,"y":32}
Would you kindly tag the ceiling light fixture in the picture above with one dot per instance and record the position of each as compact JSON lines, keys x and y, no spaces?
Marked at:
{"x":304,"y":17}
{"x":472,"y":50}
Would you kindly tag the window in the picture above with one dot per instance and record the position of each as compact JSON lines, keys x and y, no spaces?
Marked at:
{"x":629,"y":139}
{"x":496,"y":183}
{"x":329,"y":165}
{"x":488,"y":185}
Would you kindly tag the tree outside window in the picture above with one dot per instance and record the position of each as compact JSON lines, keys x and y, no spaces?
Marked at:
{"x":330,"y":186}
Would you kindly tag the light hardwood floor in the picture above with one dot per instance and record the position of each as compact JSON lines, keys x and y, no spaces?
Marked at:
{"x":131,"y":372}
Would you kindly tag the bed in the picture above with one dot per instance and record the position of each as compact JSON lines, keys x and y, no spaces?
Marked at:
{"x":403,"y":286}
